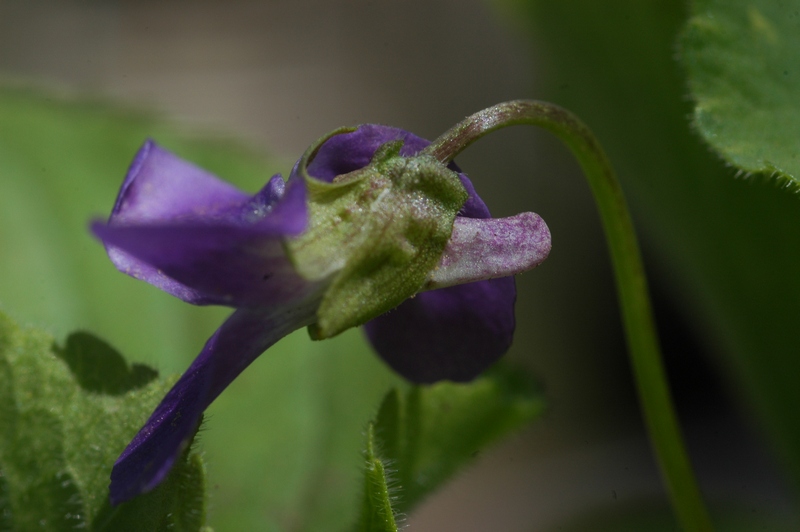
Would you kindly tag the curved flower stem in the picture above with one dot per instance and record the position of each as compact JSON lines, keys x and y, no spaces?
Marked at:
{"x":631,"y":283}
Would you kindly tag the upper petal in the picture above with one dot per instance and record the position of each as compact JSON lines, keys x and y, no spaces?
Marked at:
{"x":344,"y":153}
{"x":161,"y":187}
{"x":241,"y":339}
{"x":185,"y":231}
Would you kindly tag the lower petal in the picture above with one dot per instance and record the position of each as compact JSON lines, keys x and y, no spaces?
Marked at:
{"x":452,"y":333}
{"x":241,"y":339}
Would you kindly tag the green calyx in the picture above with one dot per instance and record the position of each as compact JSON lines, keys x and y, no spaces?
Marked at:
{"x":376,"y":232}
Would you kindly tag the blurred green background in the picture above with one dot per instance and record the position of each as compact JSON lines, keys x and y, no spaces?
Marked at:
{"x":277,"y":74}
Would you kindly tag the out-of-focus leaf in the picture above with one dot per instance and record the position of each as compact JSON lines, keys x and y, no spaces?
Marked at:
{"x":743,"y":62}
{"x":60,"y":437}
{"x":424,"y":435}
{"x":282,"y":443}
{"x":656,"y":516}
{"x":286,"y":436}
{"x":726,"y":246}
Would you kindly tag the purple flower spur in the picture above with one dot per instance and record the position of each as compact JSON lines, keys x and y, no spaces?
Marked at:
{"x":368,"y":230}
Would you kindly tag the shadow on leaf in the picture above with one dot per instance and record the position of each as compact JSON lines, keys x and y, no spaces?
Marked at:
{"x":99,"y":368}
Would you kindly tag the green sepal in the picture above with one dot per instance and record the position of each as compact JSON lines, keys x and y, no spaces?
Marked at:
{"x":376,"y":233}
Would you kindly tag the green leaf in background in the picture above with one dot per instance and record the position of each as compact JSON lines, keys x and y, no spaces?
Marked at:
{"x":742,"y":58}
{"x":723,"y":250}
{"x":61,"y":429}
{"x":283,"y":442}
{"x":424,"y":435}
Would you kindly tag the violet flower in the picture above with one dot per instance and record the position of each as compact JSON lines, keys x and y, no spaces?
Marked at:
{"x":365,"y":231}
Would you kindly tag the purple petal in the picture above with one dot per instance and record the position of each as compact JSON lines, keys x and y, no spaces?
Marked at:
{"x":161,"y":187}
{"x":209,"y":243}
{"x":341,"y":154}
{"x":241,"y":339}
{"x":453,"y":333}
{"x":481,"y":249}
{"x":474,"y":207}
{"x":207,"y":265}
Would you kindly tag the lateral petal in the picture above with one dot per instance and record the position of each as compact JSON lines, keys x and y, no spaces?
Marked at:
{"x":206,"y":264}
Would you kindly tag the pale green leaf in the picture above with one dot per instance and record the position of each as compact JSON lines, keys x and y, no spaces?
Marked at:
{"x":426,"y":434}
{"x":743,"y":63}
{"x":61,"y":431}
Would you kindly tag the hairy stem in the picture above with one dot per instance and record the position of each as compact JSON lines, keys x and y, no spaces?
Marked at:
{"x":637,"y":315}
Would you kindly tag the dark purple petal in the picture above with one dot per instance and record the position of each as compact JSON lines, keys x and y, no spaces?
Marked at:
{"x":474,"y":207}
{"x":453,"y":333}
{"x":344,"y":153}
{"x":241,"y":339}
{"x":208,"y":243}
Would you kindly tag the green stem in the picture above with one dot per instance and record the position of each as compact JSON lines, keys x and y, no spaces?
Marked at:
{"x":651,"y":381}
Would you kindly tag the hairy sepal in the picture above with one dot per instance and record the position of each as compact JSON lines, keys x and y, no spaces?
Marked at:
{"x":377,"y":233}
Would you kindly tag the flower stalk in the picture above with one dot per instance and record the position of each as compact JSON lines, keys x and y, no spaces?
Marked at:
{"x":637,"y":315}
